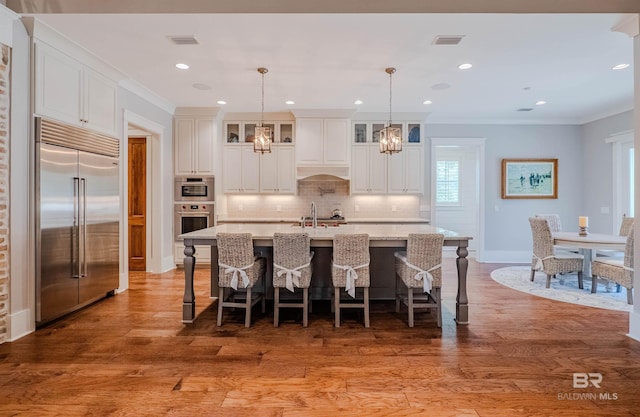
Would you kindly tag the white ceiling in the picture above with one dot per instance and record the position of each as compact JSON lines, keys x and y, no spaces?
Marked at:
{"x":327,"y":61}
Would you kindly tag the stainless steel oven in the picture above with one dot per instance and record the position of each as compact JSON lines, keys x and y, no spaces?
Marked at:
{"x":194,"y":189}
{"x":189,"y":217}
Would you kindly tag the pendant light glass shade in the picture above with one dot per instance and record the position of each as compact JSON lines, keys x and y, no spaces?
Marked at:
{"x":262,"y":138}
{"x":390,"y":137}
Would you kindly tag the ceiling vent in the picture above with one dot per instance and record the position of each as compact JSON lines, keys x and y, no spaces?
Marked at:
{"x":184,"y":40}
{"x":447,"y":40}
{"x":525,"y":109}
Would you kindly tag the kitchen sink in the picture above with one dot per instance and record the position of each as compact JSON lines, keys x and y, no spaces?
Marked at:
{"x":320,"y":224}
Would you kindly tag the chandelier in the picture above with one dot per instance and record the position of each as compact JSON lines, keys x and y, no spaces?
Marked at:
{"x":390,"y":137}
{"x":262,"y":139}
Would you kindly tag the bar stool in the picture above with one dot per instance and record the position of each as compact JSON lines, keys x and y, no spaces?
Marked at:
{"x":350,"y":270}
{"x":291,"y":269}
{"x":238,"y":268}
{"x":419,"y":267}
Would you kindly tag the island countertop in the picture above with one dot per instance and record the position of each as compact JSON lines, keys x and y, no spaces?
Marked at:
{"x":376,"y":232}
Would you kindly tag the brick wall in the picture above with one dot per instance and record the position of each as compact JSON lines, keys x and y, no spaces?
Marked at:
{"x":5,"y":73}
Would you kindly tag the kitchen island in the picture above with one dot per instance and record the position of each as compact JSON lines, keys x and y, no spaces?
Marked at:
{"x":385,"y":238}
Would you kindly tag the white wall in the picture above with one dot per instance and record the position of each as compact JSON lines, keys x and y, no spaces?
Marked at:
{"x":507,"y":231}
{"x":163,"y":158}
{"x":22,"y":292}
{"x":598,"y":169}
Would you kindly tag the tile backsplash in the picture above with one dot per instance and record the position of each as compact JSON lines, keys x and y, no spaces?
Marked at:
{"x":328,"y":194}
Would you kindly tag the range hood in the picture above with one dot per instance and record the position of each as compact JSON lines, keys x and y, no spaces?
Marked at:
{"x":317,"y":172}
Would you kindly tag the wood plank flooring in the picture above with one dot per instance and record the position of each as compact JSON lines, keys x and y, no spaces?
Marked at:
{"x":130,"y":355}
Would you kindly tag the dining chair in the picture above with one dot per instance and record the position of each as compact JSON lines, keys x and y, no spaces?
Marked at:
{"x":239,"y":269}
{"x":548,"y":259}
{"x":625,"y":227}
{"x":291,"y":269}
{"x":419,"y":268}
{"x":617,"y":270}
{"x":350,"y":270}
{"x":555,"y":225}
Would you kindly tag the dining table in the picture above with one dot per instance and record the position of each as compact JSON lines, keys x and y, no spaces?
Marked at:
{"x":383,"y":238}
{"x":588,"y":243}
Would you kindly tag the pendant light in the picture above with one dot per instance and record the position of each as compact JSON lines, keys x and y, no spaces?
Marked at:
{"x":262,"y":139}
{"x":390,"y":137}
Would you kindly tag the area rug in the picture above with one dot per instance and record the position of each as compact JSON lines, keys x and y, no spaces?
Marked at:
{"x":565,"y":288}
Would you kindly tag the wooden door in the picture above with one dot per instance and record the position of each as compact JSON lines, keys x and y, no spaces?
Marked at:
{"x":137,"y":174}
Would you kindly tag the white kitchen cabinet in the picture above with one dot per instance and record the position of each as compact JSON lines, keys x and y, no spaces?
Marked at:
{"x":406,"y":171}
{"x":241,"y":169}
{"x":193,"y":145}
{"x":71,"y":92}
{"x":202,"y":255}
{"x":368,"y":170}
{"x":277,"y":170}
{"x":322,"y":141}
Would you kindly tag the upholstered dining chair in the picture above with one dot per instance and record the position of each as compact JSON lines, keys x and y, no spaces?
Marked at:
{"x":291,"y":269}
{"x":617,"y":270}
{"x":350,"y":270}
{"x":419,"y":267}
{"x":548,"y":259}
{"x":626,"y":225}
{"x":238,"y":272}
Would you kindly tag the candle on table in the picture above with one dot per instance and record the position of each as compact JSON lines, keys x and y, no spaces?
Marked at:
{"x":583,"y":221}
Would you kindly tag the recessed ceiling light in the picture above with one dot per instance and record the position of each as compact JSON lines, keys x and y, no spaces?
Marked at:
{"x":464,"y":66}
{"x":441,"y":86}
{"x":620,"y":66}
{"x":182,"y":66}
{"x":427,"y":102}
{"x":200,"y":86}
{"x":357,"y":102}
{"x":221,"y":102}
{"x":540,"y":102}
{"x":290,"y":102}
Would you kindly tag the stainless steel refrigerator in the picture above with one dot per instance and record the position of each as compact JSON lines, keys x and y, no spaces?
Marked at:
{"x":77,"y":221}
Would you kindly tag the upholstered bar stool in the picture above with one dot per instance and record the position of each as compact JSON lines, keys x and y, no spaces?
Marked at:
{"x":291,"y":269}
{"x":350,"y":270}
{"x":238,"y":272}
{"x":419,"y":268}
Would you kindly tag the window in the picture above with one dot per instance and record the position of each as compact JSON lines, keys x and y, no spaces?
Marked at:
{"x":448,"y":182}
{"x":631,"y":182}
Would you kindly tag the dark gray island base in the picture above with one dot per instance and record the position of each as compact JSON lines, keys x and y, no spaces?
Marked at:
{"x":385,"y":239}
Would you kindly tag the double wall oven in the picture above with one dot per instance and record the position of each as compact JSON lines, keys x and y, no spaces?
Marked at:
{"x":194,"y":206}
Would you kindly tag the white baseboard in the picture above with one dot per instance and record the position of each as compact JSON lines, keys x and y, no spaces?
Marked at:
{"x":506,"y":257}
{"x":21,"y":324}
{"x":168,"y":264}
{"x":634,"y":324}
{"x":123,"y":284}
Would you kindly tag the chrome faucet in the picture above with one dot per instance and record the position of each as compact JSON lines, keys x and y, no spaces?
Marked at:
{"x":314,"y":215}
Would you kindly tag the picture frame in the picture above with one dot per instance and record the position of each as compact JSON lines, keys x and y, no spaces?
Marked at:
{"x":530,"y":178}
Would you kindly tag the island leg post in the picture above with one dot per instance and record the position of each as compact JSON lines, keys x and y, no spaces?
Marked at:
{"x":462,"y":303}
{"x":189,"y":299}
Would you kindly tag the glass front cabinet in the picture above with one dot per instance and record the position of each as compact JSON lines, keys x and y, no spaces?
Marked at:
{"x":243,"y":132}
{"x":369,"y":131}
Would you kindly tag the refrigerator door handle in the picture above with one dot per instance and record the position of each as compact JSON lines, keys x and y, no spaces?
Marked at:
{"x":75,"y":233}
{"x":83,"y":271}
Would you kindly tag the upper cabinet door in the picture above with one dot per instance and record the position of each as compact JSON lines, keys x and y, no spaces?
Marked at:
{"x":58,"y":85}
{"x":100,"y":100}
{"x":336,"y":141}
{"x":184,"y":146}
{"x":205,"y":136}
{"x":309,"y":145}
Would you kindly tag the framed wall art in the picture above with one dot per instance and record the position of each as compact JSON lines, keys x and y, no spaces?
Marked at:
{"x":529,"y":178}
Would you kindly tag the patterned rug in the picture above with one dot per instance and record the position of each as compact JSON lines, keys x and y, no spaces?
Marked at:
{"x":565,"y":288}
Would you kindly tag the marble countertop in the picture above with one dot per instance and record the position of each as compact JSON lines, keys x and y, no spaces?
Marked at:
{"x":375,"y":231}
{"x":383,"y":220}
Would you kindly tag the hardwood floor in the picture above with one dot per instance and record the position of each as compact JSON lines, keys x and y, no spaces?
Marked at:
{"x":130,"y":355}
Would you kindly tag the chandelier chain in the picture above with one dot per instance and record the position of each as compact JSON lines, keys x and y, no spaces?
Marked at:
{"x":390,"y":92}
